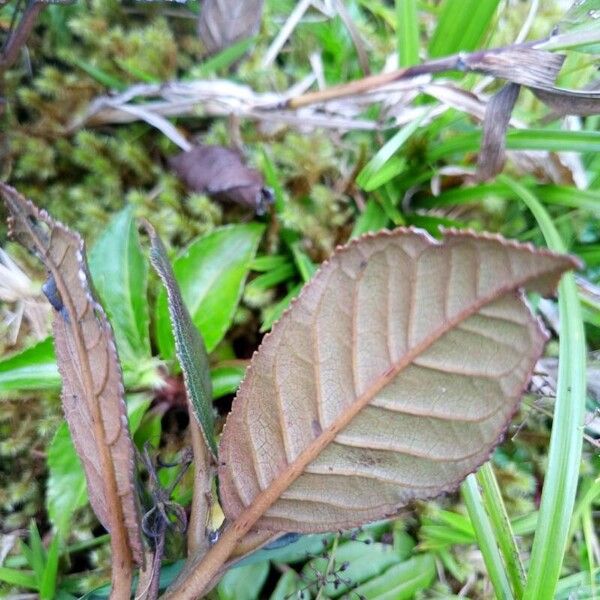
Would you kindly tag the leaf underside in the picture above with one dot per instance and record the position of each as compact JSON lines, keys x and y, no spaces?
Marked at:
{"x":393,"y":376}
{"x":93,"y":389}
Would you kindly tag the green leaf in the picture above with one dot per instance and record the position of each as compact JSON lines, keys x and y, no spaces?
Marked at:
{"x":484,"y":533}
{"x":211,"y":273}
{"x":402,"y":581}
{"x":407,"y":32}
{"x":461,"y":26}
{"x":225,"y":58}
{"x":373,"y":218}
{"x":287,"y":586}
{"x":33,"y":368}
{"x":120,"y":276}
{"x":243,"y":583}
{"x":189,"y":345}
{"x":225,"y":380}
{"x":295,"y":552}
{"x":551,"y":140}
{"x":26,"y":579}
{"x":560,"y":483}
{"x":365,"y":561}
{"x":49,"y":577}
{"x":66,"y":488}
{"x":272,"y":313}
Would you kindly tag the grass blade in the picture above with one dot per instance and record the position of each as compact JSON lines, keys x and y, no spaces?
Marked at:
{"x":485,"y":538}
{"x":461,"y":26}
{"x":502,"y":528}
{"x":407,"y":32}
{"x":560,"y":485}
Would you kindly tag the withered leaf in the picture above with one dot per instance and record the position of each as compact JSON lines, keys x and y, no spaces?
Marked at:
{"x":495,"y":123}
{"x":224,"y":22}
{"x":569,"y":102}
{"x":519,"y":64}
{"x":391,"y":377}
{"x":221,"y":173}
{"x":92,"y":393}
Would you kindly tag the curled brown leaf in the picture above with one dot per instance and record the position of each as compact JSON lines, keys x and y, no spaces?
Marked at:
{"x":221,"y":173}
{"x":93,"y":392}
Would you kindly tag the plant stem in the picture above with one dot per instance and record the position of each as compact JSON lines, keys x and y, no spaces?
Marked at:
{"x":485,"y":538}
{"x":560,"y":483}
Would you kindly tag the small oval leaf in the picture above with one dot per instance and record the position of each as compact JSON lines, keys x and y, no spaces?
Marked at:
{"x":392,"y":376}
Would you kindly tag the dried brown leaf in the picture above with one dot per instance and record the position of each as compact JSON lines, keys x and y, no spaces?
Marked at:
{"x":221,"y":173}
{"x":224,"y":22}
{"x":392,"y":377}
{"x":495,"y":123}
{"x":93,"y":393}
{"x":520,"y":64}
{"x":569,"y":102}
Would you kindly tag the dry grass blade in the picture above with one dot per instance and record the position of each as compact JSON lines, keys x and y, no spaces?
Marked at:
{"x":569,"y":102}
{"x":497,"y":117}
{"x":519,"y":64}
{"x":391,"y":377}
{"x":93,"y":393}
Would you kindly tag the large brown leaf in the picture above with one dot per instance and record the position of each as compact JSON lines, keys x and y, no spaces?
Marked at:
{"x":93,"y":393}
{"x":392,"y":377}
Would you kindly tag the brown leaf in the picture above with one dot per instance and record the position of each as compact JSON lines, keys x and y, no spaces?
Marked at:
{"x":221,"y":173}
{"x":495,"y":123}
{"x":569,"y":102}
{"x":224,"y":22}
{"x":392,"y":377}
{"x":520,"y":64}
{"x":93,"y":393}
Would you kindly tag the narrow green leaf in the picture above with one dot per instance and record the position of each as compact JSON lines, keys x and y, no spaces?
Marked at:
{"x":36,"y":554}
{"x":273,"y":313}
{"x":243,"y":583}
{"x":407,"y":32}
{"x":120,"y":276}
{"x":272,"y":180}
{"x":365,"y":561}
{"x":485,"y":538}
{"x":210,"y":273}
{"x":33,"y":368}
{"x":225,"y":58}
{"x":26,"y":579}
{"x":271,"y":278}
{"x":226,"y":380}
{"x":305,"y":266}
{"x":564,"y":456}
{"x":189,"y":345}
{"x":560,"y":195}
{"x":402,"y":581}
{"x":461,"y":26}
{"x":494,"y":506}
{"x":384,"y":166}
{"x":288,"y":586}
{"x":373,"y":218}
{"x":262,"y":264}
{"x":551,"y":140}
{"x":49,"y":578}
